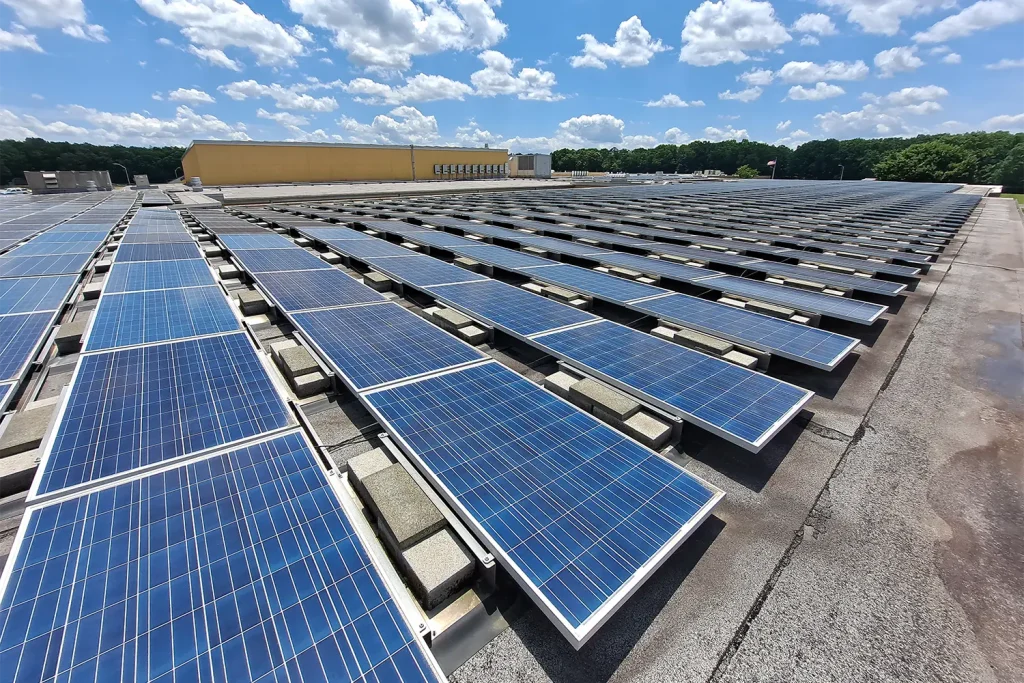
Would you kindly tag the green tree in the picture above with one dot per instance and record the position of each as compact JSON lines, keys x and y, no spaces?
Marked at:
{"x":745,"y":171}
{"x":1010,"y":172}
{"x":929,"y":162}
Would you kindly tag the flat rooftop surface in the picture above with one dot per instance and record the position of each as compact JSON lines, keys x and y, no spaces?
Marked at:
{"x":880,"y":541}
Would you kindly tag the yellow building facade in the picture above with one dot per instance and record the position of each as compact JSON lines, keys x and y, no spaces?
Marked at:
{"x":218,"y":162}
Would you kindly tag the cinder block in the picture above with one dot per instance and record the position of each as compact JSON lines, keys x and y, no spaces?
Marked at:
{"x":648,"y":430}
{"x":675,"y":258}
{"x":559,"y":383}
{"x":277,"y":347}
{"x":252,"y":303}
{"x":212,"y":251}
{"x":69,"y":336}
{"x":310,"y":383}
{"x":362,"y":466}
{"x":475,"y":238}
{"x":627,"y":273}
{"x":411,"y":247}
{"x":467,"y":263}
{"x":741,"y":359}
{"x":203,"y":237}
{"x":582,"y":304}
{"x":302,"y":242}
{"x":377,"y":281}
{"x":296,"y":361}
{"x":802,"y":319}
{"x":591,"y":394}
{"x":404,"y":514}
{"x":732,"y":302}
{"x":535,"y":251}
{"x":702,"y":342}
{"x":112,"y":247}
{"x":835,"y":292}
{"x":92,"y":290}
{"x":258,"y":322}
{"x":560,"y":293}
{"x":17,"y":472}
{"x":229,"y":272}
{"x":592,"y":243}
{"x":770,"y":309}
{"x":102,"y":266}
{"x":473,"y":334}
{"x":665,"y":333}
{"x":437,"y":567}
{"x":331,"y":257}
{"x":804,"y":284}
{"x":647,"y":280}
{"x":25,"y":431}
{"x":451,"y":320}
{"x":602,"y":269}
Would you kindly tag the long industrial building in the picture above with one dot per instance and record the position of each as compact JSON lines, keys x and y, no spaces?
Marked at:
{"x":219,"y":162}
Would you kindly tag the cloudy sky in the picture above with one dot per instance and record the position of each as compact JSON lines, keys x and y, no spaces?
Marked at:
{"x":525,"y":74}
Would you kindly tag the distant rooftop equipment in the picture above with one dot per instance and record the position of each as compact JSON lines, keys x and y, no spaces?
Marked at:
{"x":530,"y":166}
{"x":141,"y":182}
{"x":53,"y":182}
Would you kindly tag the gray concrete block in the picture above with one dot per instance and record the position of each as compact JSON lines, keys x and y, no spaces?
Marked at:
{"x":534,"y":288}
{"x":582,"y":304}
{"x":69,"y":336}
{"x":204,"y":238}
{"x":17,"y":472}
{"x":534,"y":251}
{"x":405,"y":515}
{"x":467,"y":263}
{"x":602,"y":269}
{"x":310,"y":383}
{"x":25,"y":431}
{"x":802,"y":319}
{"x":590,"y":393}
{"x":648,"y":280}
{"x":212,"y":251}
{"x":627,"y":273}
{"x":770,"y":309}
{"x":835,"y":292}
{"x":676,"y":259}
{"x":437,"y":567}
{"x":412,"y":247}
{"x":229,"y":272}
{"x":648,"y":430}
{"x":252,"y":303}
{"x":666,"y":333}
{"x":92,"y":290}
{"x":296,"y":361}
{"x":277,"y":347}
{"x":728,"y":301}
{"x":362,"y":466}
{"x":559,"y":383}
{"x":702,"y":342}
{"x":377,"y":281}
{"x":450,"y":319}
{"x":331,"y":257}
{"x":302,"y":242}
{"x":741,"y":359}
{"x":560,"y":293}
{"x":102,"y":266}
{"x":258,"y":322}
{"x":473,"y":335}
{"x":803,"y":284}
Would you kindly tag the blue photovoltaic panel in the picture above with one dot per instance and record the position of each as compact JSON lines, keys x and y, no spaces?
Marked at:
{"x":838,"y":280}
{"x":156,"y":252}
{"x":510,"y":308}
{"x":142,"y":406}
{"x":563,"y":246}
{"x":6,"y":390}
{"x":574,"y":509}
{"x":170,"y":237}
{"x":478,"y":228}
{"x":367,"y":248}
{"x":441,"y":240}
{"x":421,"y":271}
{"x":393,"y":227}
{"x":43,"y":265}
{"x":802,"y":343}
{"x":276,"y":260}
{"x":591,"y":282}
{"x":20,"y":335}
{"x":160,"y":315}
{"x":744,"y":406}
{"x":31,"y":294}
{"x":236,"y":567}
{"x":610,"y":238}
{"x":371,"y":345}
{"x":676,"y":271}
{"x":53,"y":236}
{"x":301,"y":289}
{"x":53,"y":249}
{"x":837,"y":307}
{"x":502,"y":257}
{"x":140,"y":275}
{"x":334,"y":233}
{"x":261,"y":240}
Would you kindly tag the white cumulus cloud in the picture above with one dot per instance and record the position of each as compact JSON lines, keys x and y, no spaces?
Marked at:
{"x":980,"y":16}
{"x":401,"y":126}
{"x":757,"y":77}
{"x":897,"y":59}
{"x":883,"y":17}
{"x":809,"y":72}
{"x":783,"y":125}
{"x":728,"y":133}
{"x":820,"y":91}
{"x":673,"y":100}
{"x":746,"y":95}
{"x":419,"y":88}
{"x":284,"y":118}
{"x":819,"y":24}
{"x":1006,"y":64}
{"x":285,"y":97}
{"x":725,"y":31}
{"x":18,"y":41}
{"x":633,"y":46}
{"x":498,"y":77}
{"x":1010,"y":122}
{"x":67,"y":15}
{"x":190,"y":96}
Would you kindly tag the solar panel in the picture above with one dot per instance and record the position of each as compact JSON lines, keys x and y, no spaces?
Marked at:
{"x":31,"y":294}
{"x":333,"y":233}
{"x":302,"y":289}
{"x":510,"y":308}
{"x":142,"y":406}
{"x":441,"y":240}
{"x":837,"y":307}
{"x":371,"y":345}
{"x":676,"y":271}
{"x":267,"y":240}
{"x":160,"y":315}
{"x":141,"y":275}
{"x":132,"y":237}
{"x":6,"y":392}
{"x":393,"y":227}
{"x":241,"y":566}
{"x":561,"y":246}
{"x":421,"y":271}
{"x":53,"y":248}
{"x":43,"y":265}
{"x":156,"y":252}
{"x":502,"y":257}
{"x":20,"y":336}
{"x":56,"y":236}
{"x":576,"y":512}
{"x":597,"y":284}
{"x":801,"y":343}
{"x":742,"y":406}
{"x":368,"y":248}
{"x":276,"y":260}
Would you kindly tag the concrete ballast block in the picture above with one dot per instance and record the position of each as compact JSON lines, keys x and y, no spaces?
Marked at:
{"x":467,"y":263}
{"x":473,"y":334}
{"x":648,"y":430}
{"x":296,"y":361}
{"x":662,"y":332}
{"x":450,"y":319}
{"x":590,"y":394}
{"x":560,"y":293}
{"x":69,"y":336}
{"x":559,"y":383}
{"x":404,"y":513}
{"x":252,"y":303}
{"x":25,"y":431}
{"x":212,"y":251}
{"x":702,"y":342}
{"x":770,"y":309}
{"x":362,"y":466}
{"x":331,"y":257}
{"x":437,"y":567}
{"x":229,"y":272}
{"x":92,"y":290}
{"x":741,"y":359}
{"x":310,"y":383}
{"x":102,"y":266}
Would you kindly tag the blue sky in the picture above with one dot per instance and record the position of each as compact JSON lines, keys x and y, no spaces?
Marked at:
{"x":521,"y":73}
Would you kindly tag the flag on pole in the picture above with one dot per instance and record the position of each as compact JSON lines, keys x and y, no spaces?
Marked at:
{"x":772,"y":162}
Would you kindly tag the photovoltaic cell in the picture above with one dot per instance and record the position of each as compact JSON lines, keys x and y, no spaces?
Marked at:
{"x":301,"y":289}
{"x":575,"y":510}
{"x":263,"y":240}
{"x":11,"y":266}
{"x":160,"y":315}
{"x":743,"y":406}
{"x":31,"y":294}
{"x":54,"y":248}
{"x":367,"y":248}
{"x":278,"y":260}
{"x":142,"y":406}
{"x":242,"y":566}
{"x":676,"y":271}
{"x":141,"y":275}
{"x":333,"y":233}
{"x":20,"y":335}
{"x":502,"y":257}
{"x":802,"y":343}
{"x":421,"y":271}
{"x":170,"y":237}
{"x":54,"y":236}
{"x":371,"y":345}
{"x":591,"y":282}
{"x":843,"y":308}
{"x":510,"y":308}
{"x":156,"y":252}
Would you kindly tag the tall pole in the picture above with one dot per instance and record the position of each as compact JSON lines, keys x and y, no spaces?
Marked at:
{"x":842,"y":170}
{"x":774,"y":166}
{"x":126,"y":176}
{"x":178,"y":168}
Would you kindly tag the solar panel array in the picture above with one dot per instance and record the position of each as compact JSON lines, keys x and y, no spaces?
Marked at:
{"x":210,"y":542}
{"x":420,"y":382}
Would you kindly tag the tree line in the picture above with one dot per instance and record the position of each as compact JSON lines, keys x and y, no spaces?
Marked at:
{"x":988,"y":158}
{"x":34,"y":154}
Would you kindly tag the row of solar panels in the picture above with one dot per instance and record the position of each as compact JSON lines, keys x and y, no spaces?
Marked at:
{"x":185,"y":530}
{"x":577,"y":513}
